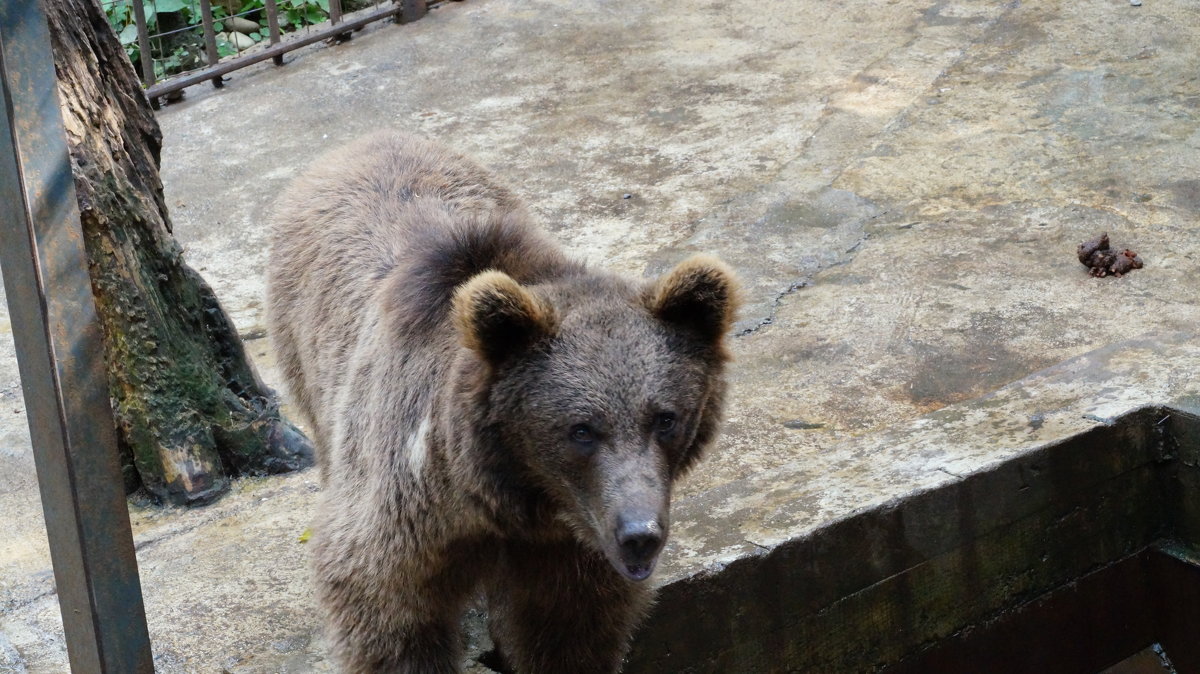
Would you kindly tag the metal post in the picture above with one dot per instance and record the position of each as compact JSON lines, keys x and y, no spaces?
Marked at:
{"x":412,"y":10}
{"x":210,"y":39}
{"x":144,"y":55}
{"x":61,"y":360}
{"x":335,"y":17}
{"x":273,"y":26}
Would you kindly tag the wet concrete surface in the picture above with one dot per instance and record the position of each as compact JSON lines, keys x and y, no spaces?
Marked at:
{"x":900,"y":184}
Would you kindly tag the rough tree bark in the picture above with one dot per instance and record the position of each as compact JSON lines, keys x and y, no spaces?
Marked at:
{"x":190,"y":409}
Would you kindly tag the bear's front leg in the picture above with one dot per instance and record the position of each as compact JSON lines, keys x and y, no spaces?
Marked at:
{"x":389,"y":609}
{"x":411,"y":649}
{"x":375,"y":629}
{"x":562,"y":608}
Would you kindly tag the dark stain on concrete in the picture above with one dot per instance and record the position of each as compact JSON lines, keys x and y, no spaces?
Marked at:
{"x":986,"y":362}
{"x":804,"y":213}
{"x":1185,"y":194}
{"x":934,"y":17}
{"x":802,"y":425}
{"x":776,"y":244}
{"x":1043,"y":77}
{"x":674,"y":117}
{"x":1016,"y":30}
{"x":946,"y":377}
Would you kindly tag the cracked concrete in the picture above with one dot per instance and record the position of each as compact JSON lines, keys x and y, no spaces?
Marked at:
{"x":901,"y":185}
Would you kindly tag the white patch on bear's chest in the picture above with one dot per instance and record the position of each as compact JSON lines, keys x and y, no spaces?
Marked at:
{"x":418,"y":447}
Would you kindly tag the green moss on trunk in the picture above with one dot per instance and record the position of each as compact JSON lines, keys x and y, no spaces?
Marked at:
{"x":190,"y":410}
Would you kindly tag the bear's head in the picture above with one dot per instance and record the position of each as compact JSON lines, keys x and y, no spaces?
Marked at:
{"x":603,"y":391}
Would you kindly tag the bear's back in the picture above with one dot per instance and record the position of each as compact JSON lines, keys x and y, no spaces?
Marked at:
{"x":373,"y":238}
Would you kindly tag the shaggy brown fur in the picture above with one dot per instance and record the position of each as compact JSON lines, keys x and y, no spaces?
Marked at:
{"x":492,"y":416}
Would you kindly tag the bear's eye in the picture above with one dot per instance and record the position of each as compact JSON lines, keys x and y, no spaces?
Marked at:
{"x":582,"y":434}
{"x":664,"y":422}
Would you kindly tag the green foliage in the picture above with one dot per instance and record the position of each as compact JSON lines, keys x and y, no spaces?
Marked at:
{"x":181,"y":50}
{"x":293,"y":14}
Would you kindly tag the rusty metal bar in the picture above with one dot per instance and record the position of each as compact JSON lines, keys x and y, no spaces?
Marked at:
{"x":164,"y":88}
{"x":147,"y":60}
{"x":61,"y":360}
{"x":210,"y":39}
{"x":273,"y":26}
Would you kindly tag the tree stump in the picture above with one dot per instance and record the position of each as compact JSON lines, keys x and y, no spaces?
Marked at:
{"x":190,"y":410}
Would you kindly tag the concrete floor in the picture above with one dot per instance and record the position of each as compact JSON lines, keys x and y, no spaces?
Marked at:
{"x":900,"y":183}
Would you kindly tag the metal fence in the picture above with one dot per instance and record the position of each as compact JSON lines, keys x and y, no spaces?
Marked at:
{"x":179,"y":43}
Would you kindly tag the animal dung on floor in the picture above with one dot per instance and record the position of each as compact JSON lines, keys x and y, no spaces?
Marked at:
{"x":1102,"y":260}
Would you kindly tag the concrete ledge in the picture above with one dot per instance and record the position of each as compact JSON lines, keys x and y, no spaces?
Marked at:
{"x":962,"y":516}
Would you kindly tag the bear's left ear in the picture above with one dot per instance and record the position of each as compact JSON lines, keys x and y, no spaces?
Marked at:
{"x":700,"y":294}
{"x":497,"y":318}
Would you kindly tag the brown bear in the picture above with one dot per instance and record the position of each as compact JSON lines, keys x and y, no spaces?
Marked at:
{"x":492,"y":417}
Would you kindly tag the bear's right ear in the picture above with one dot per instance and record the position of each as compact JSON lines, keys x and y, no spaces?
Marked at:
{"x":498,"y":318}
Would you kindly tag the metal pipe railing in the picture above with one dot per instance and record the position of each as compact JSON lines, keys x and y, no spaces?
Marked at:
{"x":338,"y":28}
{"x":277,"y":50}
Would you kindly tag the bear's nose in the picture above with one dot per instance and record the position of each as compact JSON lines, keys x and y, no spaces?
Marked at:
{"x":639,"y":539}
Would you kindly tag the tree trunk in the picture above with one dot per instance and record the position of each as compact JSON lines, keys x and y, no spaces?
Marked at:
{"x":190,"y":409}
